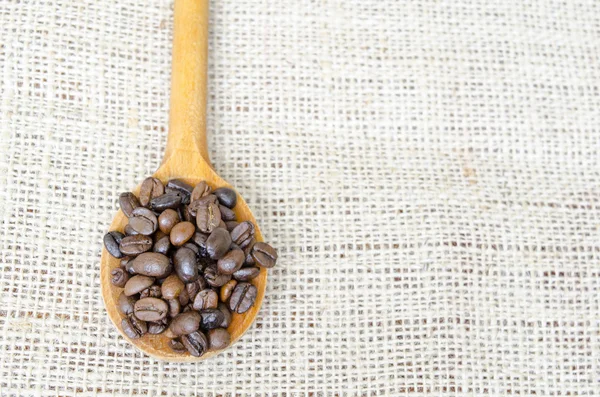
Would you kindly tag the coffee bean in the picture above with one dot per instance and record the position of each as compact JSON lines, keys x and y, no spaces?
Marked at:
{"x":166,"y":201}
{"x":151,"y":188}
{"x":217,"y":244}
{"x":208,"y":218}
{"x":214,"y":278}
{"x":218,"y":339}
{"x":137,"y":284}
{"x":231,"y":262}
{"x":226,"y":213}
{"x":152,"y":264}
{"x":226,"y":196}
{"x":119,"y":277}
{"x":179,"y":186}
{"x":155,"y":328}
{"x":194,"y":287}
{"x":128,"y":202}
{"x":177,"y":346}
{"x":264,"y":255}
{"x":195,"y":343}
{"x":150,"y":309}
{"x":202,"y":189}
{"x":135,"y":245}
{"x":246,"y":273}
{"x":174,"y":307}
{"x":185,"y":323}
{"x":188,"y":308}
{"x":200,"y":240}
{"x":184,"y":298}
{"x":125,"y":303}
{"x":226,"y":315}
{"x":201,"y":202}
{"x":249,"y":260}
{"x":227,"y":290}
{"x":243,"y":234}
{"x":181,"y":233}
{"x":242,"y":298}
{"x":162,"y":245}
{"x":143,"y":221}
{"x":133,"y":327}
{"x":127,"y":264}
{"x":172,"y":287}
{"x":193,"y":247}
{"x":151,"y":292}
{"x":231,"y":225}
{"x":129,"y":230}
{"x":167,"y":219}
{"x":186,"y":264}
{"x":206,"y":299}
{"x":186,"y":215}
{"x":111,"y":243}
{"x":211,"y":318}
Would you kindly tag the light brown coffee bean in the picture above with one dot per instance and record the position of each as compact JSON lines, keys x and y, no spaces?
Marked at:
{"x":172,"y":287}
{"x":181,"y":233}
{"x":137,"y":284}
{"x":201,"y":190}
{"x":167,"y":219}
{"x":227,"y":290}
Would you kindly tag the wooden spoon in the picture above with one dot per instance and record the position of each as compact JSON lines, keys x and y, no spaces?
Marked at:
{"x":186,"y":157}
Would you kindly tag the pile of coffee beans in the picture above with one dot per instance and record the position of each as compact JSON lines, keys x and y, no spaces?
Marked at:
{"x":186,"y":264}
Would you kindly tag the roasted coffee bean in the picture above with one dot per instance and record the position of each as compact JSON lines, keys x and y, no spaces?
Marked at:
{"x":133,"y":327}
{"x":188,"y":307}
{"x":249,"y":260}
{"x":151,"y":188}
{"x":162,"y":245}
{"x":264,"y":255}
{"x":242,"y":298}
{"x":112,"y":240}
{"x":195,"y":343}
{"x":202,"y":189}
{"x":227,"y":290}
{"x":211,"y":319}
{"x":226,"y":315}
{"x":128,"y":202}
{"x":125,"y":303}
{"x":135,"y":245}
{"x":167,"y":219}
{"x":174,"y":307}
{"x":166,"y":201}
{"x":222,"y":225}
{"x":181,"y":233}
{"x":172,"y":287}
{"x":179,"y":186}
{"x":217,"y":244}
{"x":186,"y":215}
{"x":185,"y":323}
{"x":208,"y":218}
{"x":177,"y":346}
{"x":243,"y":234}
{"x":137,"y":284}
{"x":186,"y":264}
{"x":206,"y":299}
{"x":194,"y":287}
{"x":193,"y":247}
{"x":150,"y":309}
{"x":184,"y":298}
{"x":152,"y":264}
{"x":231,"y":262}
{"x":119,"y":277}
{"x":127,"y":264}
{"x":226,"y":196}
{"x":231,"y":225}
{"x":226,"y":213}
{"x":129,"y":230}
{"x":155,"y":328}
{"x":151,"y":292}
{"x":218,"y":339}
{"x":200,"y":240}
{"x":201,"y":202}
{"x":143,"y":221}
{"x":246,"y":273}
{"x":214,"y":278}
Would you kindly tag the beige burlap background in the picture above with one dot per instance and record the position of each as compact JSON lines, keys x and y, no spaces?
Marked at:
{"x":429,"y":171}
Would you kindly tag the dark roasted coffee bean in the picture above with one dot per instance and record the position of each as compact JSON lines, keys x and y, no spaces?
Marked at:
{"x":246,"y":273}
{"x":218,"y":339}
{"x":119,"y":277}
{"x":226,"y":213}
{"x":137,"y":284}
{"x":217,"y":244}
{"x":177,"y":346}
{"x":226,"y":196}
{"x":167,"y":219}
{"x":135,"y":245}
{"x":208,"y":218}
{"x":133,"y":327}
{"x":211,"y":319}
{"x":125,"y":303}
{"x":227,"y":290}
{"x":151,"y":188}
{"x":155,"y":328}
{"x":226,"y":315}
{"x":151,"y":292}
{"x":186,"y":264}
{"x":206,"y":299}
{"x":231,"y":225}
{"x":166,"y":201}
{"x":185,"y":323}
{"x":195,"y":343}
{"x":231,"y":262}
{"x":202,"y":189}
{"x":152,"y":264}
{"x":242,"y":298}
{"x":194,"y":287}
{"x":181,"y":233}
{"x":143,"y":221}
{"x":128,"y":202}
{"x":249,"y":260}
{"x":112,"y":240}
{"x":172,"y":287}
{"x":214,"y":278}
{"x":243,"y":234}
{"x":150,"y":309}
{"x":264,"y":255}
{"x":129,"y":230}
{"x":179,"y":186}
{"x":162,"y":245}
{"x":174,"y":307}
{"x":184,"y":298}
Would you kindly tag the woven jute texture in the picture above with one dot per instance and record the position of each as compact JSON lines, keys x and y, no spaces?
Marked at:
{"x":428,"y":170}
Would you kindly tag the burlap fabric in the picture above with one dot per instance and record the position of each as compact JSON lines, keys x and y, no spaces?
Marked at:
{"x":427,"y":169}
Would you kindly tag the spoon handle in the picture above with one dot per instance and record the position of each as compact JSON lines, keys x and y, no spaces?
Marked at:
{"x":187,"y":117}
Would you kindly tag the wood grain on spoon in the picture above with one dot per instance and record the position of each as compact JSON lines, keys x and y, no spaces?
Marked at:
{"x":186,"y":157}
